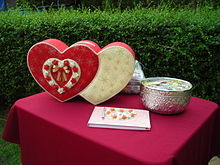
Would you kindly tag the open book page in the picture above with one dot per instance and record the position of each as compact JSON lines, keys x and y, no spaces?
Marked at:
{"x":120,"y":118}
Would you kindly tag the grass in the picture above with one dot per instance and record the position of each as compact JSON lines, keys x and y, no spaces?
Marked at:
{"x":9,"y":153}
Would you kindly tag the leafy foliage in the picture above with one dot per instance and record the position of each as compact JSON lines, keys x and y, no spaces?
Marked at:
{"x":122,"y":4}
{"x":177,"y":43}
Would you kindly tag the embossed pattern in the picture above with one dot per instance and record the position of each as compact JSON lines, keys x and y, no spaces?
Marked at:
{"x":164,"y":102}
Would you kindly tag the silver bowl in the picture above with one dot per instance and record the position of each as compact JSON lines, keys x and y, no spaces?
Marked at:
{"x":165,"y":95}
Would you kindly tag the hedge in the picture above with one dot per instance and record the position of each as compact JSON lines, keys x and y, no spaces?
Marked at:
{"x":176,"y":43}
{"x":122,"y":4}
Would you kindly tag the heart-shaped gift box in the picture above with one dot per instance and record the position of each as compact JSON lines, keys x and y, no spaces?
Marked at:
{"x":82,"y":69}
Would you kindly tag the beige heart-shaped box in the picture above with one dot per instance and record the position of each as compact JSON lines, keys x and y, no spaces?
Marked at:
{"x":116,"y":67}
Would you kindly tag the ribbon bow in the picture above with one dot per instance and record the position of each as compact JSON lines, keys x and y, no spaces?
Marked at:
{"x":61,"y":75}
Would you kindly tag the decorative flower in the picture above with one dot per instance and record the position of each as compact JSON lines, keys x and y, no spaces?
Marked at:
{"x":73,"y":80}
{"x":51,"y":83}
{"x":46,"y":67}
{"x":65,"y":88}
{"x":120,"y":114}
{"x":60,"y":90}
{"x":112,"y":109}
{"x":121,"y":110}
{"x":55,"y":62}
{"x":48,"y":78}
{"x":55,"y":86}
{"x":66,"y":63}
{"x":114,"y":116}
{"x":75,"y":69}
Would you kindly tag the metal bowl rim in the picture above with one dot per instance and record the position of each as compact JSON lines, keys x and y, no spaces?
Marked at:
{"x":165,"y":90}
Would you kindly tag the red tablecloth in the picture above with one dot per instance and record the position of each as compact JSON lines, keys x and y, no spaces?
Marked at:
{"x":54,"y":133}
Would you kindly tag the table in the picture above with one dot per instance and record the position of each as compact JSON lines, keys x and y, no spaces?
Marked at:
{"x":54,"y":133}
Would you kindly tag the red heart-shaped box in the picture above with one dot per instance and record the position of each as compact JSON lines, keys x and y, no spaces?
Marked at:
{"x":60,"y":70}
{"x":94,"y":46}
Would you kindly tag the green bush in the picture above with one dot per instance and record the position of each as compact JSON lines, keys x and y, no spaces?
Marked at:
{"x":122,"y":4}
{"x":177,"y":43}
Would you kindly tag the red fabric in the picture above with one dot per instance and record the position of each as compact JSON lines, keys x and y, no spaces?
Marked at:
{"x":54,"y":133}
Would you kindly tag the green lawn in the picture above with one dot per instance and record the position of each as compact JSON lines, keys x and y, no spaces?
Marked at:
{"x":9,"y":153}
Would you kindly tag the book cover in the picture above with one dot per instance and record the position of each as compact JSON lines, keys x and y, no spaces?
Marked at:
{"x":120,"y":118}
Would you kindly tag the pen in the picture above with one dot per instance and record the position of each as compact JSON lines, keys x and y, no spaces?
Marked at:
{"x":103,"y":113}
